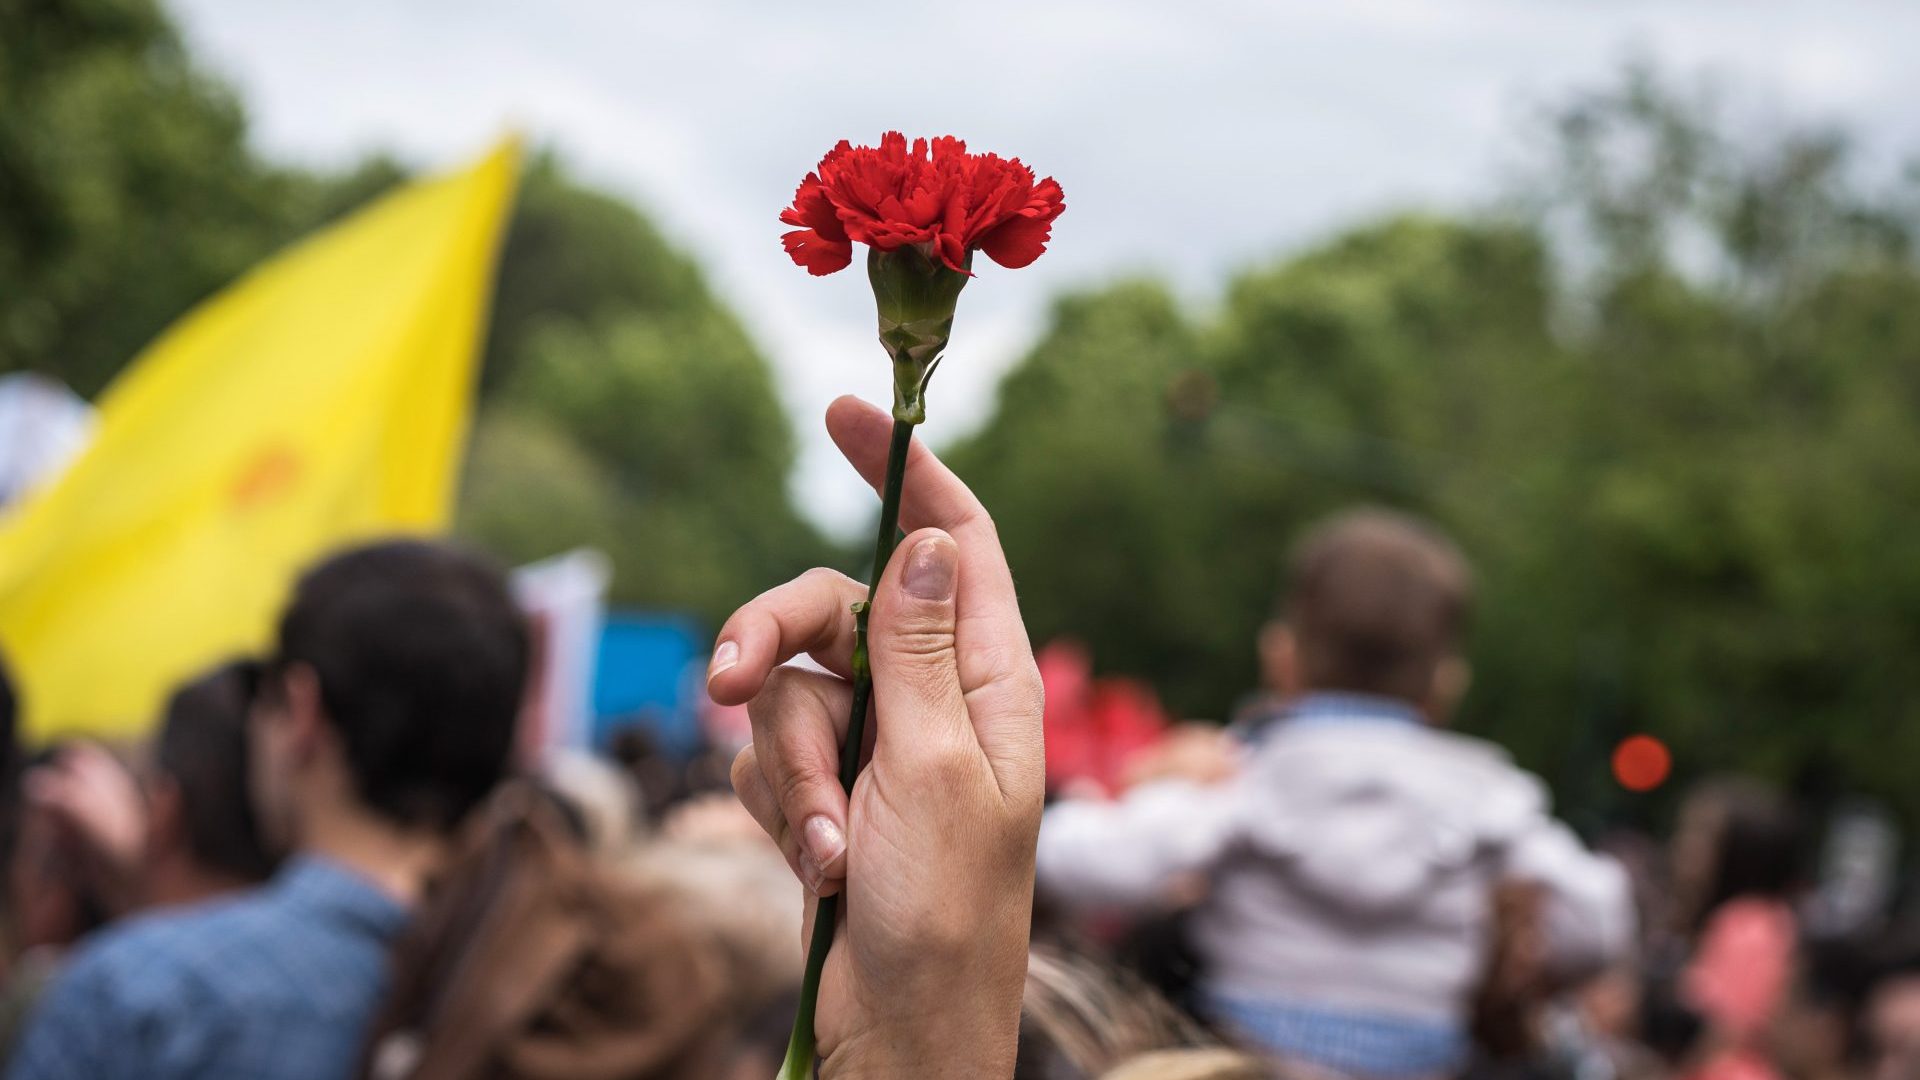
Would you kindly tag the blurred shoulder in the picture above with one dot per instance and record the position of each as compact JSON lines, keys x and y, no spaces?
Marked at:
{"x":1508,"y":798}
{"x":1389,"y":743}
{"x":1484,"y":760}
{"x":152,"y":997}
{"x":163,"y":955}
{"x":1431,"y":770}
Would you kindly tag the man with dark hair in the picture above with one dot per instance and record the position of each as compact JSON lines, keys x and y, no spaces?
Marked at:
{"x":1353,"y":857}
{"x":387,"y":713}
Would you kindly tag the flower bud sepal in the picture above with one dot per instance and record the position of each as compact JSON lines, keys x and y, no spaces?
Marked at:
{"x":916,"y":294}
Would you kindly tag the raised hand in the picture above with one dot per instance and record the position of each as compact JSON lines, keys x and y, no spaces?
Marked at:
{"x":934,"y":850}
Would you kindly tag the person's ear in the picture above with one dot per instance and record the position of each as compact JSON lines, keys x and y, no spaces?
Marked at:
{"x":166,"y":815}
{"x":1279,"y":658}
{"x":1451,"y":678}
{"x":306,"y":712}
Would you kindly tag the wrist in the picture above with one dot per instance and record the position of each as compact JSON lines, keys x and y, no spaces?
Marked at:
{"x":968,"y":1030}
{"x":951,"y":1009}
{"x":950,"y":1048}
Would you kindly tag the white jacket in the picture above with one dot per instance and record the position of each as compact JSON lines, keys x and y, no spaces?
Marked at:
{"x":1350,"y":866}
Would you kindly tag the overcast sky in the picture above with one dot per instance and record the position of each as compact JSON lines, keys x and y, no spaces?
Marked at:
{"x":1192,"y":138}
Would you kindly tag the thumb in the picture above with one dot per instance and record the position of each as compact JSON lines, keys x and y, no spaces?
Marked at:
{"x":910,"y":643}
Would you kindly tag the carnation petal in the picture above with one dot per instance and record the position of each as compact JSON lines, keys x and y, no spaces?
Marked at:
{"x":818,"y":254}
{"x":1018,"y":242}
{"x":813,"y":209}
{"x":953,"y":253}
{"x":1022,"y":238}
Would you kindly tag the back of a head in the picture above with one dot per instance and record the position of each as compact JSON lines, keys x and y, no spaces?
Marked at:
{"x":1213,"y":1064}
{"x":1081,"y":1017}
{"x":1376,"y":601}
{"x":421,"y":655}
{"x":202,"y":749}
{"x":1758,"y":853}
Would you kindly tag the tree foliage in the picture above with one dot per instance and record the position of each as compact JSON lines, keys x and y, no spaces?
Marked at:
{"x":127,"y":190}
{"x":1667,"y":407}
{"x":128,"y":193}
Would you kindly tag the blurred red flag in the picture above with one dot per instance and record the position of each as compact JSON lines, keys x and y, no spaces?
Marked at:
{"x":1093,"y":726}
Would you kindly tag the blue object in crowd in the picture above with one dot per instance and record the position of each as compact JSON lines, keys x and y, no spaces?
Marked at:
{"x":641,"y":677}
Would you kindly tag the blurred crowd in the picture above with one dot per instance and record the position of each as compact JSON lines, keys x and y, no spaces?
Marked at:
{"x":339,"y":859}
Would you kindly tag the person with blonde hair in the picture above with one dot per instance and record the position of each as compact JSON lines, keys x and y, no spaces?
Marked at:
{"x":1191,"y":1064}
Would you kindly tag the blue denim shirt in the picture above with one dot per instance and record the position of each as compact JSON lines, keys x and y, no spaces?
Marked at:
{"x":276,"y":984}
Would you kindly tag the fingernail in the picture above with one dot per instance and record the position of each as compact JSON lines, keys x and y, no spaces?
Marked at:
{"x":810,"y":872}
{"x":825,"y":841}
{"x":930,"y":569}
{"x":725,"y":655}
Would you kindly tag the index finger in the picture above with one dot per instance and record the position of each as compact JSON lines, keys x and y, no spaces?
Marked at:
{"x":932,"y":497}
{"x":992,"y":653}
{"x":811,"y":614}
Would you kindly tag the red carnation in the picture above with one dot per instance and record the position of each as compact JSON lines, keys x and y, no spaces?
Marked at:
{"x":936,"y":195}
{"x":922,"y":214}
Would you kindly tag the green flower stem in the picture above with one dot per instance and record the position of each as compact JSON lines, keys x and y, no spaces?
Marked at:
{"x":800,"y":1046}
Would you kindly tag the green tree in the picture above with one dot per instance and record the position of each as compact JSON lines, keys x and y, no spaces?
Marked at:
{"x":1148,"y":510}
{"x":1079,"y":466}
{"x":622,"y":404}
{"x":1665,"y":404}
{"x":127,"y":190}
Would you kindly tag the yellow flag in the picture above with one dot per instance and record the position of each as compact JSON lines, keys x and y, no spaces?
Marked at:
{"x":322,"y":398}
